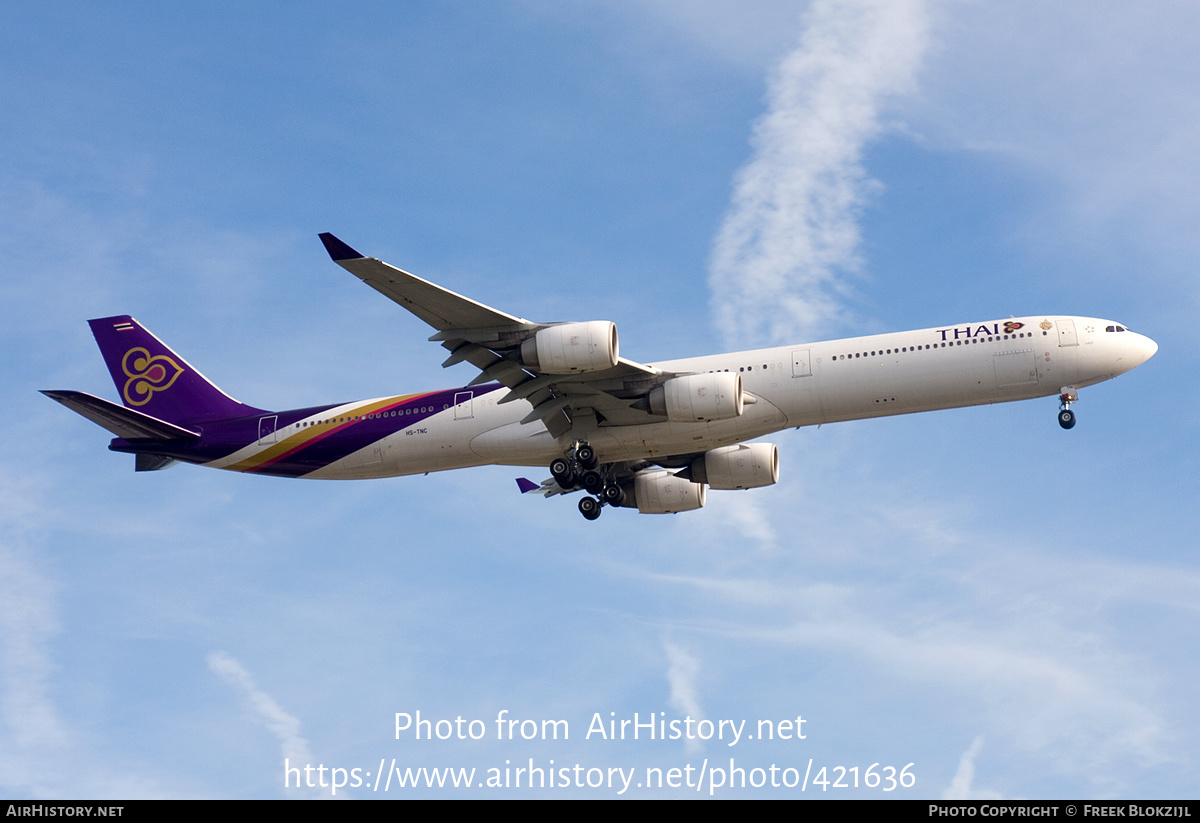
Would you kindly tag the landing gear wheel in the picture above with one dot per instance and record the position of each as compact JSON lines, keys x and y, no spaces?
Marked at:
{"x":589,"y":507}
{"x":593,"y":482}
{"x":586,"y":456}
{"x":564,"y":473}
{"x":613,"y":495}
{"x":1066,"y":396}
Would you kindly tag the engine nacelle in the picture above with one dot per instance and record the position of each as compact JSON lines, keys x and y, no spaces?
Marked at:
{"x":660,"y":492}
{"x":699,"y":398}
{"x":744,"y":466}
{"x":572,"y":348}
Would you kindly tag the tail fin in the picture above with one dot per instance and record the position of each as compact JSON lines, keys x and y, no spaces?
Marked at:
{"x":155,"y":380}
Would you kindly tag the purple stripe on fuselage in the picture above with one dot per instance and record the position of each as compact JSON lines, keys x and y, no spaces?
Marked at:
{"x":337,"y":440}
{"x":332,"y":442}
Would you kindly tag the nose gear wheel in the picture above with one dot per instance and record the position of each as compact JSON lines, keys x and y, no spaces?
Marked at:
{"x":1066,"y":417}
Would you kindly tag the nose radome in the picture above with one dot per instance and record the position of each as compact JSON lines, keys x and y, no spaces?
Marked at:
{"x":1146,"y":348}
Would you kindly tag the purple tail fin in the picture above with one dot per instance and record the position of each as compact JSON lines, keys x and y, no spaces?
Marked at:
{"x":155,"y":380}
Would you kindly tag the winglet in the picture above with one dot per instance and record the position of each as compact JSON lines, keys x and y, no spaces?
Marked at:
{"x":527,"y":486}
{"x":337,"y":249}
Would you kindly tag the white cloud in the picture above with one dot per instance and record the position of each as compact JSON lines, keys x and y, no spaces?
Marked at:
{"x":960,"y":787}
{"x":44,"y":752}
{"x":792,"y":231}
{"x":1098,"y":100}
{"x":682,"y":671}
{"x":749,"y":35}
{"x":28,"y":621}
{"x":31,"y":730}
{"x":285,"y":727}
{"x":746,"y":517}
{"x":1037,"y":651}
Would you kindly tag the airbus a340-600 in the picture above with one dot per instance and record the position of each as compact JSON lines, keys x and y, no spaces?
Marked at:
{"x":651,"y":436}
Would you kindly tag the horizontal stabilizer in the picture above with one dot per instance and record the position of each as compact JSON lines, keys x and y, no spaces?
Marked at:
{"x":123,"y":422}
{"x":548,"y":488}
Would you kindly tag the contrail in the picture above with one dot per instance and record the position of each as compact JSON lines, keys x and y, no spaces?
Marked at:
{"x":285,"y":727}
{"x":791,"y":233}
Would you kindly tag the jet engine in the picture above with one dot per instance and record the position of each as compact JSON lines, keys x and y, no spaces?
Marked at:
{"x":660,"y":492}
{"x":744,"y":466}
{"x":699,"y":398}
{"x":572,"y":348}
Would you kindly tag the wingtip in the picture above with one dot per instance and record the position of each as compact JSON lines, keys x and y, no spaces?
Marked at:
{"x":337,"y":249}
{"x":526,"y":485}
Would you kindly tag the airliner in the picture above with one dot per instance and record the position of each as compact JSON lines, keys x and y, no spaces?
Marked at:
{"x":650,"y":436}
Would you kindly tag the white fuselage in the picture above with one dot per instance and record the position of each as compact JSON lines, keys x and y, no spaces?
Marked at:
{"x":801,"y":385}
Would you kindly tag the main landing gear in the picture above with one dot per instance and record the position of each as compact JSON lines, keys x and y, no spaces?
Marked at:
{"x":1066,"y":417}
{"x":589,"y":507}
{"x":583,"y":469}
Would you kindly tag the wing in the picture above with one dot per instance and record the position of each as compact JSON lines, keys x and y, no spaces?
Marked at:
{"x":510,"y":350}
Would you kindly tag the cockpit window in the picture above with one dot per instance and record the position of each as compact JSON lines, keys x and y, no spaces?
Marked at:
{"x":1114,"y":328}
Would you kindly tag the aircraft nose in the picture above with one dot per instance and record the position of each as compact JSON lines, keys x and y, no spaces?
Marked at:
{"x":1145,"y":348}
{"x":1134,"y":350}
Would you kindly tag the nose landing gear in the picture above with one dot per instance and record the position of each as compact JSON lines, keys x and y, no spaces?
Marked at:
{"x":1066,"y":417}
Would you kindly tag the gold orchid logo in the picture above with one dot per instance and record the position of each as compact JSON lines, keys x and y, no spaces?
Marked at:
{"x":147,"y":374}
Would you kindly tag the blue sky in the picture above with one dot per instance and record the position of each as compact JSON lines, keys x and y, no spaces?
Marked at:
{"x":1009,"y":607}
